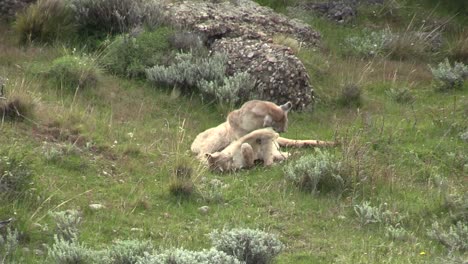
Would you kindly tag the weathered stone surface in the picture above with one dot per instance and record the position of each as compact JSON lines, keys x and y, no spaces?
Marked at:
{"x":8,"y":8}
{"x":339,"y":11}
{"x":280,"y":75}
{"x":246,"y":19}
{"x":244,"y":31}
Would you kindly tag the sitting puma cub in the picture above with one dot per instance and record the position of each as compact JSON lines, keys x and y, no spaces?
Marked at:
{"x":257,"y":145}
{"x":252,"y":115}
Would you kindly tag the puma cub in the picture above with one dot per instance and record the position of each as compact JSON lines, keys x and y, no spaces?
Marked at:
{"x":252,"y":115}
{"x":257,"y":145}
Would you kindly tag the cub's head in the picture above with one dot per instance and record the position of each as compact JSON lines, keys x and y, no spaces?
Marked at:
{"x":218,"y":161}
{"x":278,"y":120}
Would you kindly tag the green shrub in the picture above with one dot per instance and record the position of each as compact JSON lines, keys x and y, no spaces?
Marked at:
{"x":46,"y":21}
{"x":67,"y":223}
{"x":397,"y":233}
{"x":401,"y":95}
{"x":182,"y":256}
{"x":208,"y":75}
{"x":350,"y":95}
{"x":317,"y":173}
{"x":70,"y":252}
{"x":129,"y":56}
{"x":212,"y":191}
{"x":8,"y":244}
{"x":455,"y":239}
{"x":369,"y":44}
{"x":187,"y":41}
{"x":368,"y":214}
{"x":16,"y":108}
{"x":128,"y":251}
{"x":448,"y":77}
{"x":15,"y":176}
{"x":100,"y":17}
{"x":74,"y":72}
{"x":249,"y":245}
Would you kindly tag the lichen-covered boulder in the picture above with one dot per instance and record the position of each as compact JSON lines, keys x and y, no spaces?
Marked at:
{"x":8,"y":8}
{"x":280,"y":76}
{"x":244,"y":31}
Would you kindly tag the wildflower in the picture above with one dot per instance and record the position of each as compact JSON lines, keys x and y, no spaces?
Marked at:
{"x":422,"y":253}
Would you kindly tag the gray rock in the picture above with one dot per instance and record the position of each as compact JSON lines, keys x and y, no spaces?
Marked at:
{"x":244,"y":31}
{"x":204,"y":209}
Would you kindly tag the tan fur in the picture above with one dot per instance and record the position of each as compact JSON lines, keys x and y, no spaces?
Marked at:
{"x":251,"y":116}
{"x":257,"y":145}
{"x":226,"y":150}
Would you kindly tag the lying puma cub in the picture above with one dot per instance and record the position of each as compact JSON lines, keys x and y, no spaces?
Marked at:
{"x":257,"y":145}
{"x":252,"y":115}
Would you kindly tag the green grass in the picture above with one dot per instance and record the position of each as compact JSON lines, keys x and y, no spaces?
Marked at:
{"x":131,"y":132}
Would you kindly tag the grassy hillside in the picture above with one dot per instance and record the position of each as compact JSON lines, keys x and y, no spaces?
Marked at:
{"x":120,"y":140}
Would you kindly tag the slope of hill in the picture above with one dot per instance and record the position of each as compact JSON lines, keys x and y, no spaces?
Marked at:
{"x":93,"y":153}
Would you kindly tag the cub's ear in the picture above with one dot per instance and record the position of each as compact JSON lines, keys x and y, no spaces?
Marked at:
{"x":286,"y":107}
{"x":267,"y":121}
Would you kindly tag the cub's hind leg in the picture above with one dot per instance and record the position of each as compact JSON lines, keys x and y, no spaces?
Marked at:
{"x":247,"y":155}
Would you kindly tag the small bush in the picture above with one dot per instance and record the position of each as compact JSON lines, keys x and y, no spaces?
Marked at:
{"x":15,"y":176}
{"x":455,"y":239}
{"x":457,"y":206}
{"x":115,"y":16}
{"x":128,"y":251}
{"x":188,"y":70}
{"x":232,"y":90}
{"x":369,"y":44}
{"x":70,"y":252}
{"x":368,"y":214}
{"x":448,"y":77}
{"x":317,"y":173}
{"x":181,"y":256}
{"x":67,"y":223}
{"x":205,"y":74}
{"x":74,"y":72}
{"x":187,"y":41}
{"x":212,"y":191}
{"x":251,"y":246}
{"x":350,"y":95}
{"x":181,"y":183}
{"x":397,"y":233}
{"x":129,"y":56}
{"x":459,"y":47}
{"x":8,"y":244}
{"x":16,"y":108}
{"x":401,"y":95}
{"x":46,"y":21}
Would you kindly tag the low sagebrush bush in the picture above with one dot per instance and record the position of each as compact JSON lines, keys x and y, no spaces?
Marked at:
{"x":74,"y":72}
{"x":16,"y":108}
{"x":318,"y":173}
{"x":8,"y":245}
{"x":350,"y":95}
{"x":448,"y":77}
{"x":182,"y":256}
{"x":115,"y":16}
{"x":208,"y":75}
{"x":248,"y":245}
{"x":187,"y":41}
{"x":15,"y":176}
{"x":401,"y":95}
{"x":67,"y":223}
{"x":368,"y":214}
{"x":455,"y":239}
{"x":181,"y":182}
{"x":46,"y":21}
{"x":71,"y":252}
{"x":369,"y":44}
{"x":128,"y":251}
{"x":397,"y":233}
{"x":129,"y":56}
